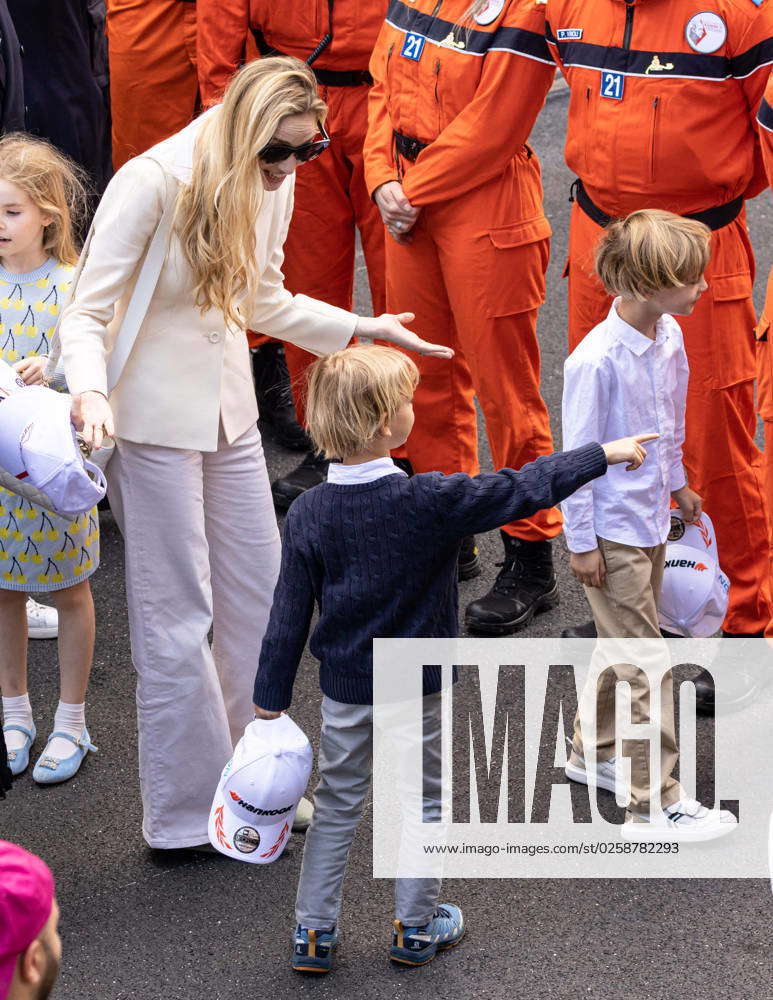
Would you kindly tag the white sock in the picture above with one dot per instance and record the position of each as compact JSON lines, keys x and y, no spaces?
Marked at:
{"x":68,"y":719}
{"x":17,"y":712}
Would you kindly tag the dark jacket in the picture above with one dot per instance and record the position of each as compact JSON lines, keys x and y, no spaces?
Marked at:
{"x":11,"y":77}
{"x":65,"y":78}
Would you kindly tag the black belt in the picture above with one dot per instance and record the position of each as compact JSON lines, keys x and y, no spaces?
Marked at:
{"x":407,"y":147}
{"x":327,"y":77}
{"x":342,"y":77}
{"x":714,"y":218}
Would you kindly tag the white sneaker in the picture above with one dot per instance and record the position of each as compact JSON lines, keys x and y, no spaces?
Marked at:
{"x":609,"y":774}
{"x":303,"y":816}
{"x":42,"y":621}
{"x":686,"y":820}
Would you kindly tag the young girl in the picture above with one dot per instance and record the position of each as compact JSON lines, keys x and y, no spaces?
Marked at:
{"x":40,"y":195}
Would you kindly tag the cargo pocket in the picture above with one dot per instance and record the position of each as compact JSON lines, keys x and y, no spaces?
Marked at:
{"x":764,"y":368}
{"x":731,"y":329}
{"x":515,"y":269}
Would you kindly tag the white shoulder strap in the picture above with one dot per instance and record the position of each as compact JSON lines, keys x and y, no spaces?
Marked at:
{"x":143,"y":290}
{"x":140,"y":297}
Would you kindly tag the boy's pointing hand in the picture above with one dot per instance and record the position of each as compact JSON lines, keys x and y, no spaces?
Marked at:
{"x":628,"y":450}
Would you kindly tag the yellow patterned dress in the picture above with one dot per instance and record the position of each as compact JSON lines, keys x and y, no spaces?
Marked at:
{"x":39,"y":551}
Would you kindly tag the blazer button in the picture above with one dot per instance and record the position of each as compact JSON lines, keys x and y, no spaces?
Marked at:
{"x":214,"y":337}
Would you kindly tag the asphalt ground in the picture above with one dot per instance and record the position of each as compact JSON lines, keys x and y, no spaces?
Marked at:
{"x":150,"y":924}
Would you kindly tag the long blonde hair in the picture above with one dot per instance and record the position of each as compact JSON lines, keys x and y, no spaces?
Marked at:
{"x":53,"y":183}
{"x":216,"y":213}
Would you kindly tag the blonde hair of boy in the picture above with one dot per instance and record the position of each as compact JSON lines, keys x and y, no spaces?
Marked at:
{"x":353,"y":393}
{"x":216,"y":213}
{"x":53,"y":183}
{"x":650,"y":251}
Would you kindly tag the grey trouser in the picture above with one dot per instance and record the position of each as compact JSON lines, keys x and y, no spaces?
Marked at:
{"x":345,"y":767}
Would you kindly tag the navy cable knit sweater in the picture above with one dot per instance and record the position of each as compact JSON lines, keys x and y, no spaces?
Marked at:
{"x":380,"y":558}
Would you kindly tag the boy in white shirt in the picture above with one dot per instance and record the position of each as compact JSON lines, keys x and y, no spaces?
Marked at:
{"x":631,"y":372}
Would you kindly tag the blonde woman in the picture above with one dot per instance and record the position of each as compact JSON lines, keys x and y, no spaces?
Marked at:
{"x":188,"y":484}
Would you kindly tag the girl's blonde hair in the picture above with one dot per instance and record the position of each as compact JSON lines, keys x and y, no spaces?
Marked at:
{"x":650,"y":251}
{"x":354,"y":392}
{"x":53,"y":183}
{"x":216,"y":213}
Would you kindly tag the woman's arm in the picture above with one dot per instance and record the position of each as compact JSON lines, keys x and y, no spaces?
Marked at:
{"x":314,"y":325}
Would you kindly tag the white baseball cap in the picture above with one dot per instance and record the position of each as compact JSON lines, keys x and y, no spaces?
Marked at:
{"x":259,"y":790}
{"x":38,"y":448}
{"x":694,"y":594}
{"x":10,"y":380}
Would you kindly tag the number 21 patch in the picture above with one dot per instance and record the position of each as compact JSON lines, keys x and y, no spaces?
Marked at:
{"x":612,"y":85}
{"x":413,"y":46}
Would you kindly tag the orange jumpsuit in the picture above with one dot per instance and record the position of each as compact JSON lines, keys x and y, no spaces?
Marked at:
{"x":661,"y":115}
{"x":331,"y":201}
{"x":153,"y":85}
{"x":764,"y":332}
{"x":474,"y":273}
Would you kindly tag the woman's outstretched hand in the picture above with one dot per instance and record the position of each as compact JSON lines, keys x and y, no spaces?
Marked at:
{"x":390,"y":327}
{"x":92,"y":416}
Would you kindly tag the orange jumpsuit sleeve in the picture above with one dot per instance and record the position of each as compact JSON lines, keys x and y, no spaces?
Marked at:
{"x":222,"y":30}
{"x":750,"y":65}
{"x":765,"y":128}
{"x":377,"y":151}
{"x":479,"y":143}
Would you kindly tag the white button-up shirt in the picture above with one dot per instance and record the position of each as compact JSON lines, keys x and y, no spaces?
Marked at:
{"x":618,"y":383}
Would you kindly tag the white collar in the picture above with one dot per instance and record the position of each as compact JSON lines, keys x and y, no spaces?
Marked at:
{"x":636,"y":341}
{"x":364,"y":472}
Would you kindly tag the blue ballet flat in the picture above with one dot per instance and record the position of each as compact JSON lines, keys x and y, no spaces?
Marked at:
{"x":18,"y":760}
{"x":51,"y":770}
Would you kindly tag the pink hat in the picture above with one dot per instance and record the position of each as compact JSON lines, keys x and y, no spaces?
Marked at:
{"x":26,"y":898}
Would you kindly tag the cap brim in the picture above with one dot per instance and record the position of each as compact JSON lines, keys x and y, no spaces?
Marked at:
{"x":256,"y":844}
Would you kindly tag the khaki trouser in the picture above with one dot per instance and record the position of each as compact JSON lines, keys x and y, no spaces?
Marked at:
{"x":626,"y":607}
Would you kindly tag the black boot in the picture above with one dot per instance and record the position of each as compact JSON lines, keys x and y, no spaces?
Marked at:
{"x":311,"y":472}
{"x":588,"y":631}
{"x":275,"y":400}
{"x":469,"y":563}
{"x":585,"y":631}
{"x":526,"y":585}
{"x":734,"y":689}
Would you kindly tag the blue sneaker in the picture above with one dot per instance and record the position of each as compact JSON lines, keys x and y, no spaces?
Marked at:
{"x":419,"y":945}
{"x":313,"y":950}
{"x":51,"y":770}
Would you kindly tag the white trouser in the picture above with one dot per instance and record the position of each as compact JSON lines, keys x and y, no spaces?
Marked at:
{"x":202,"y":551}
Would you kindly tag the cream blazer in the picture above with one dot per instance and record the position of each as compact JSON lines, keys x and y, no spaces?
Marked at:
{"x":186,"y":371}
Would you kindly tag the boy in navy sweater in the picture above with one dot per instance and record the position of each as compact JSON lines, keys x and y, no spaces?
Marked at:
{"x":377,"y":551}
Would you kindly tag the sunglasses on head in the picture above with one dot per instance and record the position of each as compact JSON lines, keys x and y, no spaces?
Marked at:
{"x":276,"y":152}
